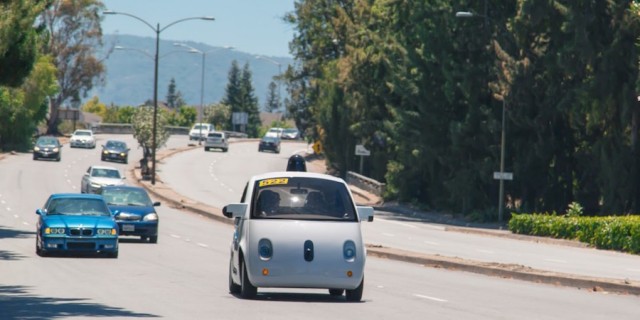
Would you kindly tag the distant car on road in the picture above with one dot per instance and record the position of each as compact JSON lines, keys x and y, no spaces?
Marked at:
{"x":133,"y":210}
{"x":115,"y":150}
{"x":216,"y":140}
{"x":269,"y":143}
{"x":97,"y":177}
{"x":47,"y":147}
{"x":199,"y":131}
{"x":290,"y":134}
{"x":274,"y":132}
{"x":297,"y":230}
{"x":82,"y":139}
{"x":76,"y":223}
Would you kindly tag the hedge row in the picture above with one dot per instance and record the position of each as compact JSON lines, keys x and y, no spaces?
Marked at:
{"x":616,"y":233}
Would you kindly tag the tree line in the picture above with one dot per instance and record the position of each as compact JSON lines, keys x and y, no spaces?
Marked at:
{"x":424,"y":91}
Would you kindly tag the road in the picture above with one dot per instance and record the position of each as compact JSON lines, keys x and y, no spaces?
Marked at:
{"x":184,"y":276}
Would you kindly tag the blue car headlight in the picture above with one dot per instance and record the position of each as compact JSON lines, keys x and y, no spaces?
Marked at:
{"x":107,"y":232}
{"x":265,"y":249}
{"x":150,"y":217}
{"x":55,"y":231}
{"x":349,"y":250}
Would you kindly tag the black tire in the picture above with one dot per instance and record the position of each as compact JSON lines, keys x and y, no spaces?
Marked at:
{"x":225,"y":150}
{"x":35,"y":158}
{"x":247,"y":290}
{"x":113,"y":255}
{"x":206,"y":149}
{"x":103,"y":159}
{"x":58,"y":159}
{"x":336,"y":292}
{"x":355,"y":295}
{"x":153,"y":239}
{"x":39,"y":251}
{"x":233,"y":288}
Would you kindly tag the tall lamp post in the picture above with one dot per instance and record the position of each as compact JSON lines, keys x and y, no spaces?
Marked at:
{"x":279,"y":81}
{"x":157,"y":30}
{"x":502,"y":175}
{"x":204,"y":54}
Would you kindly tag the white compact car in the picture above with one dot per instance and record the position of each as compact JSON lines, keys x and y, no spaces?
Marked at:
{"x":97,"y":177}
{"x":216,"y":140}
{"x":297,"y":230}
{"x":199,"y":131}
{"x":82,"y":138}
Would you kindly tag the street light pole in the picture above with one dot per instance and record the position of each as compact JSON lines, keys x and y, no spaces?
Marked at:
{"x":157,"y":31}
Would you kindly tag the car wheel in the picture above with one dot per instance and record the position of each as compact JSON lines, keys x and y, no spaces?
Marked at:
{"x":233,"y":287}
{"x":39,"y":250}
{"x":336,"y":292}
{"x":126,"y":160}
{"x":153,"y":239}
{"x":58,"y":158}
{"x":225,"y":150}
{"x":35,"y":158}
{"x":103,"y":159}
{"x":247,"y":290}
{"x":113,"y":255}
{"x":206,"y":149}
{"x":355,"y":295}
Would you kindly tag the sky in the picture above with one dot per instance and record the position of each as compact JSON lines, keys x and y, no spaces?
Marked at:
{"x":252,"y":26}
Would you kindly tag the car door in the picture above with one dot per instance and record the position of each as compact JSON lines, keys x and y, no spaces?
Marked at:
{"x":85,"y":181}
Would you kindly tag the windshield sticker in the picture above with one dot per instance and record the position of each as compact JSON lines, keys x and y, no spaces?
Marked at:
{"x":270,"y":182}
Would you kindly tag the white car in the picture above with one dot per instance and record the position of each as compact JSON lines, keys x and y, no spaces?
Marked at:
{"x":82,"y":138}
{"x":216,"y":140}
{"x":199,"y":131}
{"x":274,"y":132}
{"x":297,"y":230}
{"x":97,"y":177}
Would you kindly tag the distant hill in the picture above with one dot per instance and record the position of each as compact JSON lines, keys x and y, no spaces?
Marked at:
{"x":129,"y":72}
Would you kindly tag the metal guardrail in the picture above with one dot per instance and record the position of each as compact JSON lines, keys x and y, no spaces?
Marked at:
{"x":366,"y":183}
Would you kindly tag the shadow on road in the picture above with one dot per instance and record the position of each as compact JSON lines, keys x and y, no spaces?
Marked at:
{"x":16,"y":303}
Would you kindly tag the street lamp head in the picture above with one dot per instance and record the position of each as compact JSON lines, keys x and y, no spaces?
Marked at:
{"x":464,"y":14}
{"x":109,"y":12}
{"x":208,"y":18}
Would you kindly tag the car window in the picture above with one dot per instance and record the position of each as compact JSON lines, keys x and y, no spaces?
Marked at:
{"x":302,"y":199}
{"x":77,"y":207}
{"x":215,"y":135}
{"x":127,"y":197}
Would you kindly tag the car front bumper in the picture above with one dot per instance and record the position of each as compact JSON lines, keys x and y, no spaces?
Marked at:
{"x":138,"y":228}
{"x":79,"y":245}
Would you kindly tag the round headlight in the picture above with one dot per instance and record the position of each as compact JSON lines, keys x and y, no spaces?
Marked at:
{"x":349,"y":250}
{"x":265,"y":249}
{"x":36,"y":149}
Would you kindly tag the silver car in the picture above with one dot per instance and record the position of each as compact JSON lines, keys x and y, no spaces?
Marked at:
{"x":216,"y":140}
{"x":97,"y":177}
{"x":83,"y":139}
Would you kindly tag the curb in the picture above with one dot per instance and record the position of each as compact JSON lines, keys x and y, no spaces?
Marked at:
{"x":512,"y":271}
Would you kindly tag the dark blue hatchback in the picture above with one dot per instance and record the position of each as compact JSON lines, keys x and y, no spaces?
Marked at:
{"x":133,"y":210}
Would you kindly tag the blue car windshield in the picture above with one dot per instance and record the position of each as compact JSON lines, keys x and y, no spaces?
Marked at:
{"x":126,"y":197}
{"x":77,"y":207}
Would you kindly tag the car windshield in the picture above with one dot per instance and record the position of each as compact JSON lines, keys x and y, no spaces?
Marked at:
{"x":302,"y":199}
{"x":201,"y":126}
{"x":77,"y":207}
{"x":269,"y":139}
{"x":47,"y":141}
{"x":126,"y":197}
{"x":290,"y":130}
{"x":82,"y":133}
{"x":116,"y":145}
{"x":105,"y":173}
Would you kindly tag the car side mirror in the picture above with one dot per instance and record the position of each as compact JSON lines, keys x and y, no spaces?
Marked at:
{"x":115,"y":213}
{"x":39,"y":212}
{"x":234,"y":210}
{"x":365,"y":213}
{"x":156,"y":204}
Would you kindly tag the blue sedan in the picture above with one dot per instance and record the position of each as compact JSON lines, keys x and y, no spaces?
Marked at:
{"x":76,"y":223}
{"x":133,"y":210}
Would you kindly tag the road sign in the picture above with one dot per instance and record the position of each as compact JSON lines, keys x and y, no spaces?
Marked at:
{"x":503,"y":175}
{"x":362,"y":151}
{"x":317,"y":147}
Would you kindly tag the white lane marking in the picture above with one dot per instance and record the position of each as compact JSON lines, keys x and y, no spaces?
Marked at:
{"x":25,"y":223}
{"x":8,"y":209}
{"x":399,"y":223}
{"x":175,"y":236}
{"x":69,"y":181}
{"x":431,"y":243}
{"x":485,"y":251}
{"x":202,"y":245}
{"x":430,"y":298}
{"x":556,"y":260}
{"x":634,"y":270}
{"x":2,"y":201}
{"x":16,"y":216}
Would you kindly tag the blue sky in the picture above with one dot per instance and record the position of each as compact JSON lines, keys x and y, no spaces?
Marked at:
{"x":252,"y":26}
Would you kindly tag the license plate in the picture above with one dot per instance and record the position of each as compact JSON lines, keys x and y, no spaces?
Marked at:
{"x":128,"y":227}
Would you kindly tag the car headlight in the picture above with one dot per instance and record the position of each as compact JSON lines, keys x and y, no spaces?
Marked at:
{"x":122,"y":154}
{"x":36,"y":149}
{"x":95,"y":185}
{"x":107,"y":232}
{"x":349,"y":250}
{"x":265,"y":249}
{"x":150,"y":217}
{"x":55,"y":230}
{"x":105,"y":152}
{"x":55,"y":149}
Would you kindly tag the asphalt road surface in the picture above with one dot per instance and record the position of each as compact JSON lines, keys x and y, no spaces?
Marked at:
{"x":184,"y":276}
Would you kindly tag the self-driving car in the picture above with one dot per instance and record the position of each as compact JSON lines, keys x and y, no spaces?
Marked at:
{"x":133,"y":210}
{"x":297,"y":230}
{"x":76,"y":223}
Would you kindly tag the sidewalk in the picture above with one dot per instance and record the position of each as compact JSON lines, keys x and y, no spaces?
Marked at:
{"x":520,"y":272}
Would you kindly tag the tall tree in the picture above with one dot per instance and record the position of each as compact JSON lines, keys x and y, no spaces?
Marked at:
{"x":174,"y":96}
{"x":19,"y":36}
{"x":142,"y":122}
{"x":74,"y":35}
{"x":250,"y":102}
{"x":272,"y":102}
{"x":233,"y":93}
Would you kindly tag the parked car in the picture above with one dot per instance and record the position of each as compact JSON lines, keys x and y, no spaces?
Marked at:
{"x":76,"y":223}
{"x":216,"y":140}
{"x":297,"y":230}
{"x":269,"y":143}
{"x":48,"y":148}
{"x":83,"y":139}
{"x":199,"y":131}
{"x":97,"y":177}
{"x":133,"y":210}
{"x":291,"y":134}
{"x":115,"y":150}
